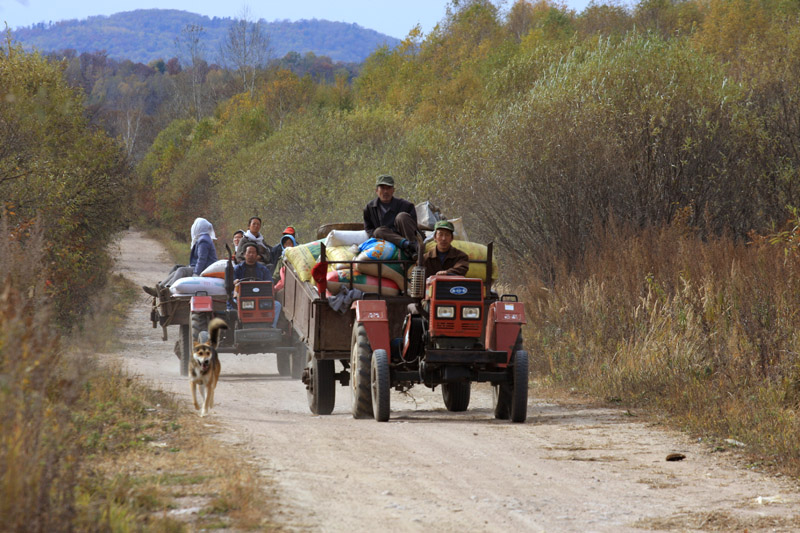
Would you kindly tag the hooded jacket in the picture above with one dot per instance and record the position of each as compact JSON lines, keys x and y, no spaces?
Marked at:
{"x":203,"y":252}
{"x":277,"y":250}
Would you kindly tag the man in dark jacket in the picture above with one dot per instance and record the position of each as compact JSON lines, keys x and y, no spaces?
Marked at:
{"x":251,"y":267}
{"x":445,"y":259}
{"x":391,"y":219}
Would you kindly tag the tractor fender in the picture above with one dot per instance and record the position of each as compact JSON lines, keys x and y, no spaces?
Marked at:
{"x":202,"y":304}
{"x":503,"y":325}
{"x":375,"y":318}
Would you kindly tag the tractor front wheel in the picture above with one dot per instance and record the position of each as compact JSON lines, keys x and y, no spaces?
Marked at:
{"x":456,"y":396}
{"x":380,"y":383}
{"x":298,"y":360}
{"x":199,"y":324}
{"x":360,"y":359}
{"x":519,"y":394}
{"x":184,"y":348}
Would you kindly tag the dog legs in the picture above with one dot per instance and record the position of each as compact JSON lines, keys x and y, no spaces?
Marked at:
{"x":194,"y":395}
{"x":208,"y":398}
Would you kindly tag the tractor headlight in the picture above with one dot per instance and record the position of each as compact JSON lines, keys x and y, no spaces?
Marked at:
{"x":470,"y":313}
{"x":248,"y":304}
{"x":445,"y":311}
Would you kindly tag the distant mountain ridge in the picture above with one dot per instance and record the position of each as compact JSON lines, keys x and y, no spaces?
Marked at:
{"x":144,"y":35}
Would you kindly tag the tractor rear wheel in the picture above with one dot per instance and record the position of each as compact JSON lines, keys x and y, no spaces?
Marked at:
{"x":380,"y":383}
{"x":456,"y":396}
{"x":284,"y":363}
{"x":184,"y":347}
{"x":360,"y":359}
{"x":321,"y":385}
{"x":519,"y":394}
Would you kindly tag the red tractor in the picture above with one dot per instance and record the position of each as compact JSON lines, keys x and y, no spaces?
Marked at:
{"x":455,"y":335}
{"x":250,"y":324}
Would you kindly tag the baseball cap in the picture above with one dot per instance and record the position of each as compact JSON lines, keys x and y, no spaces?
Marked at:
{"x":384,"y":179}
{"x":289,"y":230}
{"x":444,"y":224}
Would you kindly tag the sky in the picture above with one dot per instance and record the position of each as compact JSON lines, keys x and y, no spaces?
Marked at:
{"x":393,"y":18}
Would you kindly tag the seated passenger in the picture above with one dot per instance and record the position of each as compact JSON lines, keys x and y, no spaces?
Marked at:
{"x":277,"y":250}
{"x":252,"y":268}
{"x":391,"y":218}
{"x":237,"y":238}
{"x":201,"y":255}
{"x":254,"y":236}
{"x":445,"y":259}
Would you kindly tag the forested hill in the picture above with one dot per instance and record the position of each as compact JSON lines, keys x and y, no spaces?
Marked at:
{"x":147,"y":34}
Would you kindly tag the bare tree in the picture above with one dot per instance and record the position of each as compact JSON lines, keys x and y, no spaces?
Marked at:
{"x":246,"y":49}
{"x":190,"y":50}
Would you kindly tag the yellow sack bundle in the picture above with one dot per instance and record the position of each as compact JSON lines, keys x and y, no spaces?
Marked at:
{"x":476,"y":252}
{"x":304,"y":256}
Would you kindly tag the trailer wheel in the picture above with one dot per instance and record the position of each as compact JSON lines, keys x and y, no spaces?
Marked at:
{"x":321,"y":390}
{"x":199,"y":324}
{"x":360,"y":359}
{"x":284,"y":363}
{"x":185,"y":347}
{"x":519,"y":396}
{"x":456,"y":396}
{"x":380,"y":381}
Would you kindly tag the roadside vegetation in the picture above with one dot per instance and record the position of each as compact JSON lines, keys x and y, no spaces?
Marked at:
{"x":637,"y":168}
{"x":83,"y":446}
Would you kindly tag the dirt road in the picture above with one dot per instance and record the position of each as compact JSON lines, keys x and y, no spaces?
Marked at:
{"x":569,"y":468}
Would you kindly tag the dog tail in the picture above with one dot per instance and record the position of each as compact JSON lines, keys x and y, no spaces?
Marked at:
{"x":214,"y":329}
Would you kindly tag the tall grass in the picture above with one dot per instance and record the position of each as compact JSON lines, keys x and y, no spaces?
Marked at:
{"x":76,"y":437}
{"x":703,"y":329}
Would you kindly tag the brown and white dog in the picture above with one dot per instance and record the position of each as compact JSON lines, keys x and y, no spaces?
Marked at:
{"x":204,"y":367}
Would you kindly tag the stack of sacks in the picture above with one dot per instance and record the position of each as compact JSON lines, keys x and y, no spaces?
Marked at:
{"x":210,"y":285}
{"x":476,"y":252}
{"x":338,"y":278}
{"x":215,"y":269}
{"x":305,"y":256}
{"x":378,"y":250}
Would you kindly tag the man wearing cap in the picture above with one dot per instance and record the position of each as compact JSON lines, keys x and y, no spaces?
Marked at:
{"x":391,"y":219}
{"x":445,"y":259}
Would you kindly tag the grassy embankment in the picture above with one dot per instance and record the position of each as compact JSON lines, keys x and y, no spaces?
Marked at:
{"x":85,"y":447}
{"x":701,"y":332}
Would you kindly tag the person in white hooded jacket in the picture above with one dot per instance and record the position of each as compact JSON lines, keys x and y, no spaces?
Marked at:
{"x":201,"y":255}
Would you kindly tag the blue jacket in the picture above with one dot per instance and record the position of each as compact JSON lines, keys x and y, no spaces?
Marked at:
{"x":202,"y":254}
{"x":263,"y":272}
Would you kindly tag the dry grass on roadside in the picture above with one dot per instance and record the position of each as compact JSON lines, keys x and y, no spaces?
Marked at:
{"x":85,"y":447}
{"x":702,"y":330}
